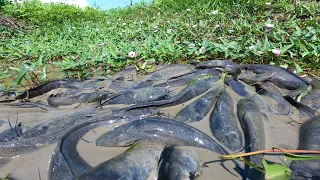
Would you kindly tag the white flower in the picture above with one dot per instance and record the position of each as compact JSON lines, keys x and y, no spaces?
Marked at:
{"x":123,"y":24}
{"x":188,"y":10}
{"x":201,"y":50}
{"x":156,"y":30}
{"x":158,"y":13}
{"x":268,"y":3}
{"x":153,"y":17}
{"x":156,"y":27}
{"x":276,"y":52}
{"x":251,"y":47}
{"x":194,"y":26}
{"x":217,"y":26}
{"x":169,"y":31}
{"x":191,"y":46}
{"x":269,"y":25}
{"x":214,"y":12}
{"x":141,"y":22}
{"x":231,"y":31}
{"x":132,"y":54}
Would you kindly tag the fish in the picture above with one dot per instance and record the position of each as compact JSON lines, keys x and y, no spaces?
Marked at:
{"x":197,"y":110}
{"x":252,"y":125}
{"x":187,"y":78}
{"x":179,"y":163}
{"x":281,"y":77}
{"x":137,"y":96}
{"x":48,"y":133}
{"x":46,"y":87}
{"x":169,"y":71}
{"x":186,"y":94}
{"x":223,"y":123}
{"x":309,"y":139}
{"x":160,"y":131}
{"x":238,"y":87}
{"x":223,"y":65}
{"x":283,"y":107}
{"x":312,"y":100}
{"x":136,"y":163}
{"x":63,"y":99}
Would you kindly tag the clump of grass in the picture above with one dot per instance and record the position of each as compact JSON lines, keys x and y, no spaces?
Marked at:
{"x":84,"y":40}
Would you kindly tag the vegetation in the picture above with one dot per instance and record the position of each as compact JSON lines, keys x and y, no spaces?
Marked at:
{"x":90,"y":41}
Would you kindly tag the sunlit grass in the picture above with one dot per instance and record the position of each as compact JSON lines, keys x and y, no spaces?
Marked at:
{"x":85,"y":40}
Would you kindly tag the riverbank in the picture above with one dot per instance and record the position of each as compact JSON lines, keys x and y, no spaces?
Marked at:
{"x":92,"y":42}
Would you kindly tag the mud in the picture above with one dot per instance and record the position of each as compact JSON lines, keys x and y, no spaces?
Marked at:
{"x":281,"y":130}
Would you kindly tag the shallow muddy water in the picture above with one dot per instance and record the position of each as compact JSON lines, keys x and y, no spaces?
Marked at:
{"x":280,"y":131}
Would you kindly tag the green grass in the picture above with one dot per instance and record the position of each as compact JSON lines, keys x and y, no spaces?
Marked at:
{"x":91,"y":41}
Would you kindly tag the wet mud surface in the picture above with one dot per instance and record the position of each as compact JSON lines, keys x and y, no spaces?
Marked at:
{"x":172,"y":123}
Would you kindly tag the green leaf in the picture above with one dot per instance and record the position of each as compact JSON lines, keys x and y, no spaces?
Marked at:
{"x":276,"y":171}
{"x":135,"y":145}
{"x":14,"y":68}
{"x":21,"y":75}
{"x":298,"y":68}
{"x":44,"y":72}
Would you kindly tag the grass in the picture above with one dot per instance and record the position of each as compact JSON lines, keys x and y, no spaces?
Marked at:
{"x":88,"y":42}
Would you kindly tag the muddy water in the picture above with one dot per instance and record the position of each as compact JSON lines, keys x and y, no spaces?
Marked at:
{"x":278,"y":132}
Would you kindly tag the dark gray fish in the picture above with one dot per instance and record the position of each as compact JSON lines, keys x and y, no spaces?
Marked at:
{"x":160,"y":131}
{"x":136,"y":163}
{"x":238,"y":87}
{"x":46,"y":87}
{"x":63,"y":99}
{"x":309,"y":139}
{"x":251,"y":121}
{"x":223,"y":123}
{"x":281,"y":77}
{"x":66,"y":162}
{"x":247,"y":91}
{"x":312,"y":100}
{"x":170,"y":71}
{"x":142,"y":95}
{"x":187,"y":78}
{"x":223,"y":65}
{"x":179,"y":164}
{"x":283,"y":107}
{"x":197,"y":110}
{"x":303,"y":109}
{"x":191,"y":91}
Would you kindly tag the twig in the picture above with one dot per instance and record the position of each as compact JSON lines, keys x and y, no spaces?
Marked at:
{"x":274,"y":150}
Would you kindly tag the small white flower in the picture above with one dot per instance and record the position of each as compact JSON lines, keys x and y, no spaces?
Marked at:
{"x":269,"y":25}
{"x":268,"y":3}
{"x":191,"y":46}
{"x":156,"y":30}
{"x":156,"y":27}
{"x":214,"y":12}
{"x":201,"y":50}
{"x":251,"y":47}
{"x":188,"y":10}
{"x":141,"y":22}
{"x":217,"y":26}
{"x":153,"y":17}
{"x":231,"y":31}
{"x":169,"y":31}
{"x":158,"y":13}
{"x":276,"y":52}
{"x":123,"y":24}
{"x":132,"y":54}
{"x":194,"y":26}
